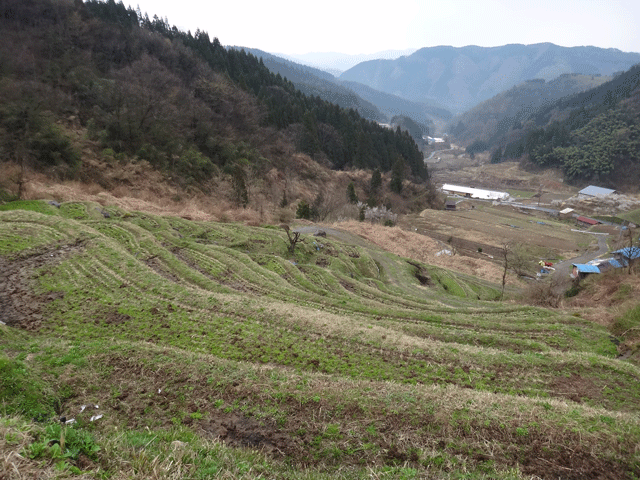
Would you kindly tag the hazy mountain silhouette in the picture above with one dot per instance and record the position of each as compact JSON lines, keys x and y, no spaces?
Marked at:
{"x":336,"y":63}
{"x":460,"y":78}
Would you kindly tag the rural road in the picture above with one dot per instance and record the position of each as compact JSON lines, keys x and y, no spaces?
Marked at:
{"x":564,"y":267}
{"x":561,"y":277}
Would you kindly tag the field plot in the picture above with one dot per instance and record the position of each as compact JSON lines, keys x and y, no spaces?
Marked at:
{"x":340,"y":360}
{"x":488,"y":227}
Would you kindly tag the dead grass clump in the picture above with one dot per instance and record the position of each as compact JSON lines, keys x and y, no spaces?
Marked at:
{"x":543,"y":294}
{"x":613,"y":288}
{"x":247,"y":216}
{"x":605,"y":298}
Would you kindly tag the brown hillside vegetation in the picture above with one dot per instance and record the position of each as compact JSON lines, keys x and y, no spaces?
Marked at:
{"x":422,"y":248}
{"x":155,"y":114}
{"x":611,"y":299}
{"x":137,"y":186}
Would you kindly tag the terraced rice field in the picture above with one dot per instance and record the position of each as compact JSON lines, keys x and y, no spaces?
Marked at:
{"x":338,"y":361}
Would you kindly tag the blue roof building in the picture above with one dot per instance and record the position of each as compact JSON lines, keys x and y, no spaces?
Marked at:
{"x":618,"y":264}
{"x":586,"y":268}
{"x":628,"y":253}
{"x":581,"y":270}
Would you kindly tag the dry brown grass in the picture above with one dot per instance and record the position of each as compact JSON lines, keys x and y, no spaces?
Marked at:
{"x":606,"y":297}
{"x":422,"y":248}
{"x":9,"y":175}
{"x":139,"y":187}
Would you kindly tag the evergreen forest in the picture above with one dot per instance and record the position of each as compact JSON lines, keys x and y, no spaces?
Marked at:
{"x":145,"y":90}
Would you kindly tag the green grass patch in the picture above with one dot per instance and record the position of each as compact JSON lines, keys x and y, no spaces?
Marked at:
{"x":39,"y":206}
{"x":23,"y":392}
{"x":339,"y":353}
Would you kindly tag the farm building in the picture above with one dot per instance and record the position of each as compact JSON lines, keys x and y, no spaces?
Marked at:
{"x":586,"y":221}
{"x":566,"y":213}
{"x":616,"y":263}
{"x":600,"y":265}
{"x":604,"y":264}
{"x":581,"y":270}
{"x":474,"y":192}
{"x":450,"y":205}
{"x":627,"y":254}
{"x":593,"y":191}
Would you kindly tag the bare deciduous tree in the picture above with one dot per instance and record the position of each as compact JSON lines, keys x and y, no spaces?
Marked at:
{"x":294,"y":238}
{"x":630,"y":229}
{"x":505,"y":254}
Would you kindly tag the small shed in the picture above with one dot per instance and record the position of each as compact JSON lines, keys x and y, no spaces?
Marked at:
{"x":603,"y":264}
{"x":581,"y":270}
{"x":594,"y":191}
{"x":566,"y":213}
{"x":450,"y":205}
{"x":586,"y":221}
{"x":617,"y":263}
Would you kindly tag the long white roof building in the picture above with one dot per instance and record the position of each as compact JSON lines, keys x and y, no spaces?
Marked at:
{"x":474,"y":192}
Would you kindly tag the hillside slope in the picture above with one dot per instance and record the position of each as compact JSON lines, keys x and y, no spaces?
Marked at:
{"x":493,"y":118}
{"x":334,"y":359}
{"x":314,"y":82}
{"x":99,"y":83}
{"x":370,"y":103}
{"x":592,"y":136}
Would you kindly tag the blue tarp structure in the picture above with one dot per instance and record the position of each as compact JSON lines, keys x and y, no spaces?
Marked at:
{"x":630,"y":253}
{"x":586,"y":268}
{"x":616,"y":264}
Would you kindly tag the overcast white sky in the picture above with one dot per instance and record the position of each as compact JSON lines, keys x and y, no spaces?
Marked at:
{"x":353,"y":27}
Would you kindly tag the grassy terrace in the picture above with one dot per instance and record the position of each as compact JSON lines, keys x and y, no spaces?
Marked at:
{"x":333,"y":362}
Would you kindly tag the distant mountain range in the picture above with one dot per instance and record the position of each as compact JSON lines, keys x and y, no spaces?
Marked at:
{"x":336,"y":63}
{"x":461,"y":78}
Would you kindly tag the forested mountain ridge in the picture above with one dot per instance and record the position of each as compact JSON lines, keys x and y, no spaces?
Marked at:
{"x":370,"y":103}
{"x":493,"y":118}
{"x":317,"y":83}
{"x":425,"y":113}
{"x":593,"y":136}
{"x":460,"y":78}
{"x":143,"y":90}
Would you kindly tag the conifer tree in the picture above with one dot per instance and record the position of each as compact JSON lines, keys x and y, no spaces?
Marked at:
{"x":397,"y":175}
{"x":352,"y":197}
